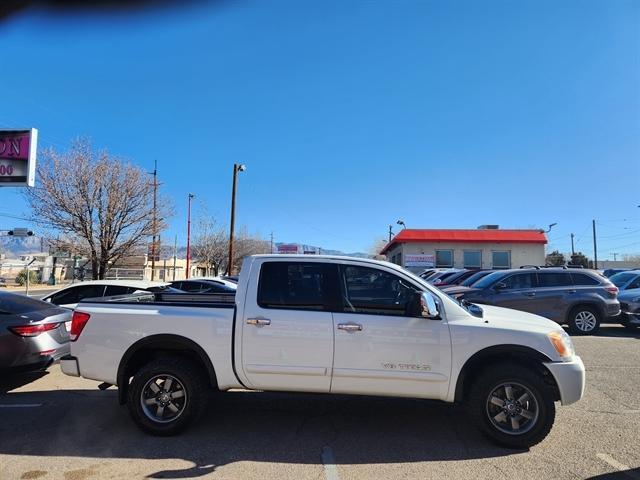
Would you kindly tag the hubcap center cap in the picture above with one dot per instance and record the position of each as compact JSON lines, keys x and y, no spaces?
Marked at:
{"x":164,"y":398}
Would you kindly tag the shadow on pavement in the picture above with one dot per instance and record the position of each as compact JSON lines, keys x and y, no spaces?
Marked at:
{"x":631,"y":474}
{"x":247,"y":426}
{"x":611,"y":331}
{"x":12,"y":381}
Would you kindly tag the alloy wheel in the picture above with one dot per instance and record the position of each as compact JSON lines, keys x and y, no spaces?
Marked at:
{"x":163,"y":398}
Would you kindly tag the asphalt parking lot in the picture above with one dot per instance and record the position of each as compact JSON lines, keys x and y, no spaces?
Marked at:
{"x":57,"y":427}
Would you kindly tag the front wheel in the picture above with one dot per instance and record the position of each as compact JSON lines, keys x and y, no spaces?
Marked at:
{"x":166,"y":395}
{"x":512,"y":406}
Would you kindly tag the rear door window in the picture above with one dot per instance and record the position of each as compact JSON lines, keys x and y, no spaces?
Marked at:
{"x":583,"y":279}
{"x":294,"y":285}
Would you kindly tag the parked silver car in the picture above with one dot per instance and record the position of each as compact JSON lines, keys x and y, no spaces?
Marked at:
{"x":33,"y":333}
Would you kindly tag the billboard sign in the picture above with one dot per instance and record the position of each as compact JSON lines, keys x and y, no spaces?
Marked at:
{"x":419,"y":261}
{"x":18,"y":157}
{"x":288,"y":249}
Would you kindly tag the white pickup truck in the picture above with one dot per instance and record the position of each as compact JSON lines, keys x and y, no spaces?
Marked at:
{"x":328,"y":325}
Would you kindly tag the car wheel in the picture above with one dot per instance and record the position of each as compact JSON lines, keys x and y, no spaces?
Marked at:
{"x":584,"y":320}
{"x":166,"y":395}
{"x":512,"y":406}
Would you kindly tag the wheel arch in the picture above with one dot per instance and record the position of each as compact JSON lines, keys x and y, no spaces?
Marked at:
{"x":155,"y":346}
{"x":526,"y":356}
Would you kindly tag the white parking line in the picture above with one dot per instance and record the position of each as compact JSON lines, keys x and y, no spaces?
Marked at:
{"x":621,"y":467}
{"x":329,"y":463}
{"x":22,"y":405}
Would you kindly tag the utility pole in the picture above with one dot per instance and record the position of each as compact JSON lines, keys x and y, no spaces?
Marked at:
{"x":175,"y":254}
{"x":390,"y":232}
{"x":155,"y":219}
{"x":271,"y":250}
{"x":187,"y":274}
{"x":573,"y":251}
{"x":595,"y":247}
{"x":614,"y":256}
{"x":236,"y":168}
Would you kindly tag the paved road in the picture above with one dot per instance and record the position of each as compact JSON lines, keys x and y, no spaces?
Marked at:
{"x":58,"y":427}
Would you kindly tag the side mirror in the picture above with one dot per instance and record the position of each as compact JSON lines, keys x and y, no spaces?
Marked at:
{"x":429,"y":309}
{"x":500,"y":286}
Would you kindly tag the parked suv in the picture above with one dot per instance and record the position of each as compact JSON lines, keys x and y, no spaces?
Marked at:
{"x":581,"y":299}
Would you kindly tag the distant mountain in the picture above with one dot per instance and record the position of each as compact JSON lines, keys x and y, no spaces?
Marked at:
{"x":282,"y":247}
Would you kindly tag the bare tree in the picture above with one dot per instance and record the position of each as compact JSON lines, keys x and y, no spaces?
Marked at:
{"x":210,"y":245}
{"x":99,"y":205}
{"x":246,"y":244}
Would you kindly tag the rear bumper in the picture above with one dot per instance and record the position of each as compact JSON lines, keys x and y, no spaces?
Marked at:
{"x":570,"y":378}
{"x":69,"y":366}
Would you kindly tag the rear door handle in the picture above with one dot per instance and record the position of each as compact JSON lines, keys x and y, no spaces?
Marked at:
{"x":350,"y":327}
{"x":530,"y":294}
{"x":258,"y":321}
{"x":571,"y":291}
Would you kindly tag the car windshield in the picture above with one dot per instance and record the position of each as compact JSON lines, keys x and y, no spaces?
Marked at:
{"x":488,"y":280}
{"x":16,"y":303}
{"x":474,"y":278}
{"x":621,"y":279}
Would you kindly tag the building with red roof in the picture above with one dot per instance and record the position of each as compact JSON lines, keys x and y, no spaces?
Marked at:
{"x":485,"y":247}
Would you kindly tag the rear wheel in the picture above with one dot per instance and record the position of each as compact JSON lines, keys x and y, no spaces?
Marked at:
{"x":584,"y":320}
{"x":512,"y":406}
{"x":166,"y":395}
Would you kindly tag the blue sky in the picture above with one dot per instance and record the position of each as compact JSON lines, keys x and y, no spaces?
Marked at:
{"x":351,"y":115}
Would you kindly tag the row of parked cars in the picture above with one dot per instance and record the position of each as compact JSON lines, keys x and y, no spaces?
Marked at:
{"x":35,"y":333}
{"x":579,"y":298}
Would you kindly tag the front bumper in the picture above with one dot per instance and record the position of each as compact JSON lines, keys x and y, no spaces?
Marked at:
{"x":570,"y":378}
{"x":69,"y":366}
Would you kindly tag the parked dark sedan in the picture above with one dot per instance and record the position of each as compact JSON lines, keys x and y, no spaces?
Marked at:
{"x":33,"y":333}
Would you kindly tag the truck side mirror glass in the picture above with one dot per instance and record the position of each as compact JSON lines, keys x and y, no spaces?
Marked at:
{"x":429,"y":307}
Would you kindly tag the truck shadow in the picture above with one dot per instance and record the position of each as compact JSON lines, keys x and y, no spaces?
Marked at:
{"x":246,"y":426}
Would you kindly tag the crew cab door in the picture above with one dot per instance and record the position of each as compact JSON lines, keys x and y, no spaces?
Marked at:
{"x":287,"y":334}
{"x":380,"y":348}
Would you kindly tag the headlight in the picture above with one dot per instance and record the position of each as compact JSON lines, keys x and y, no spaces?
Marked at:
{"x":562,"y":343}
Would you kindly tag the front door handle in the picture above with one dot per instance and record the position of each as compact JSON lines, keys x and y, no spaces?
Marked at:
{"x":258,"y":321}
{"x":571,"y":291}
{"x":350,"y":327}
{"x":530,"y":294}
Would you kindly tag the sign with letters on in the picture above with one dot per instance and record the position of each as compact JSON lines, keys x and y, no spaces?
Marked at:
{"x":18,"y":157}
{"x":419,"y":260}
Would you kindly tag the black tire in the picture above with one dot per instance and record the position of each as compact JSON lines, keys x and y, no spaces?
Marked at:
{"x":482,"y":409}
{"x":581,"y":320}
{"x":188,"y":385}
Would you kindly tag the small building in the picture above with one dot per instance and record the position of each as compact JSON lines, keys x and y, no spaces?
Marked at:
{"x":485,"y":247}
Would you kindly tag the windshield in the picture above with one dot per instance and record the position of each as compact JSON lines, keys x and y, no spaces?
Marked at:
{"x":621,"y":279}
{"x":474,"y":278}
{"x":488,"y":280}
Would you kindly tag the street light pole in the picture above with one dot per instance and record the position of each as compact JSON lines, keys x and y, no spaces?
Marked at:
{"x":155,"y":219}
{"x":236,"y":168}
{"x":189,"y":235}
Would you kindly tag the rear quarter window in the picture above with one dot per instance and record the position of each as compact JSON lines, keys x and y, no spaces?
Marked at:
{"x":584,"y":279}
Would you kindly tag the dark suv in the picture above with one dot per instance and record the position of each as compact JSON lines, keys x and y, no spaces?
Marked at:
{"x":582,"y":299}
